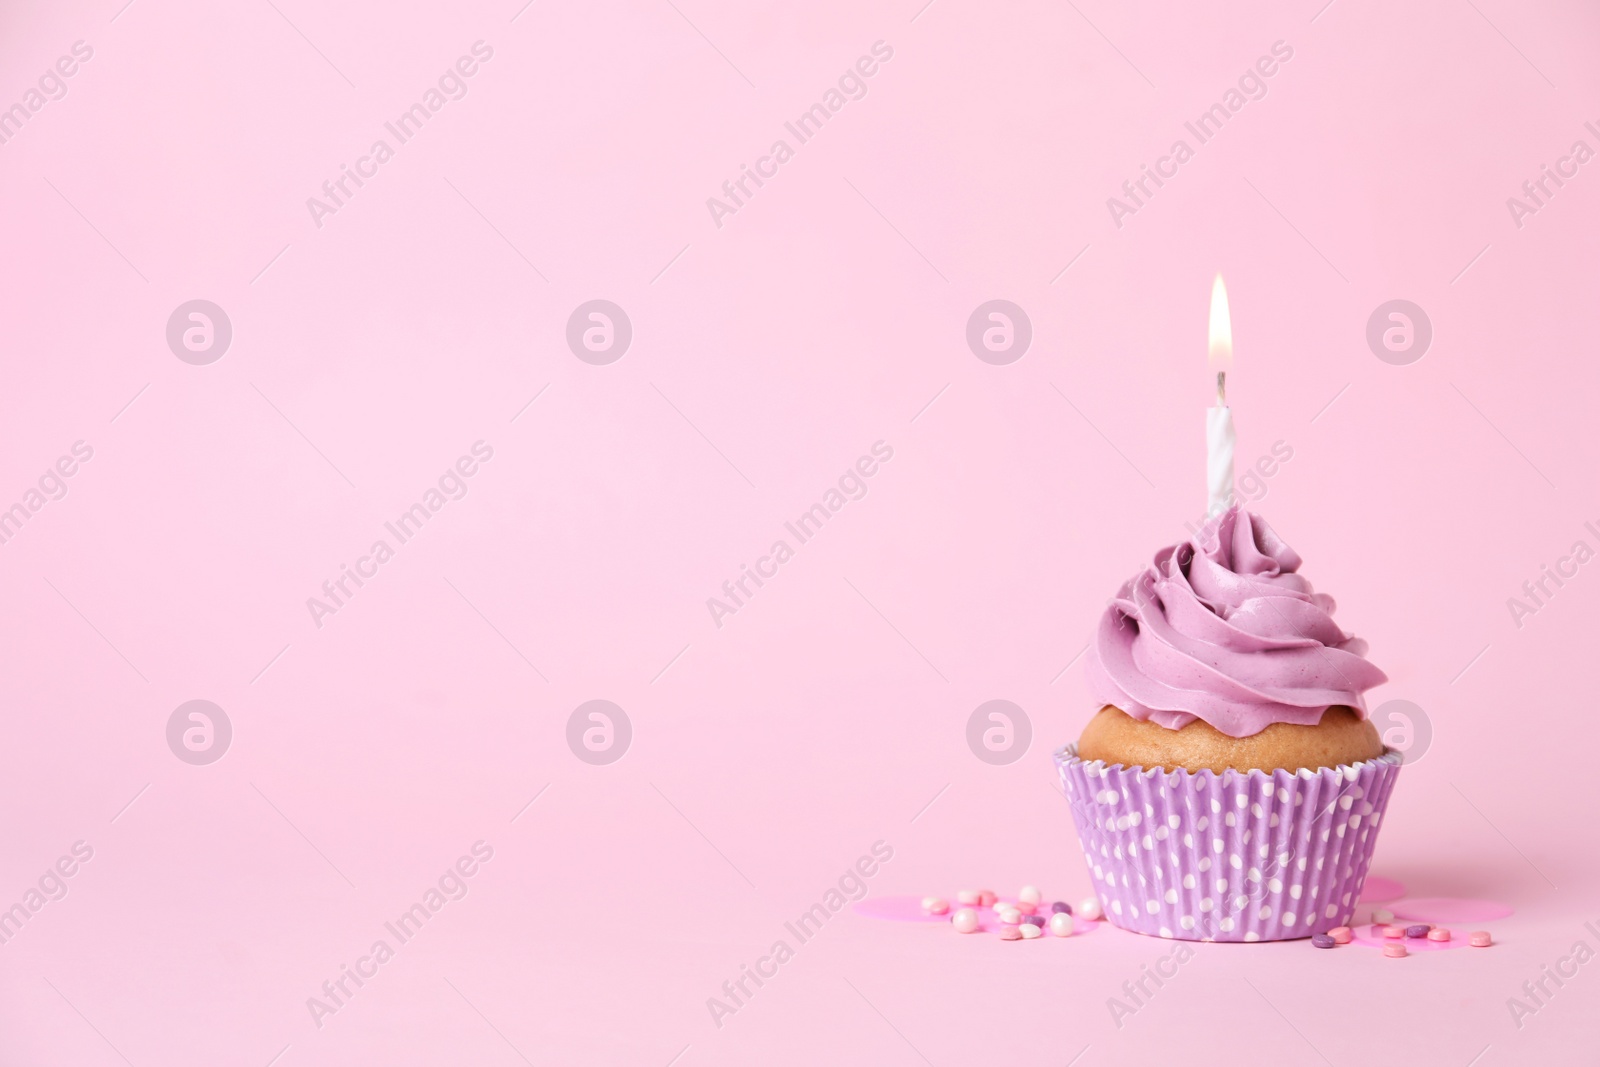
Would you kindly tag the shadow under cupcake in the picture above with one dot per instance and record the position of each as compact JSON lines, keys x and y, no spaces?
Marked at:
{"x":1231,"y":787}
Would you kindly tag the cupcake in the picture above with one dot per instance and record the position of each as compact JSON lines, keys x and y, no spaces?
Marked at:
{"x":1231,"y":785}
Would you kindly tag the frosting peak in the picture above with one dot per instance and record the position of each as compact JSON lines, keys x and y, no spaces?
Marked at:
{"x":1222,"y":628}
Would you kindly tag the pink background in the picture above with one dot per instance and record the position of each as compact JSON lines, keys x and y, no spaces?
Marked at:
{"x":768,"y":354}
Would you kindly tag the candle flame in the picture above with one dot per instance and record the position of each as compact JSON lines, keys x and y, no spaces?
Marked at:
{"x":1220,"y":346}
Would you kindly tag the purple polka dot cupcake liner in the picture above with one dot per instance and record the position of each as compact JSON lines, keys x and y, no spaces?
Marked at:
{"x":1236,"y":856}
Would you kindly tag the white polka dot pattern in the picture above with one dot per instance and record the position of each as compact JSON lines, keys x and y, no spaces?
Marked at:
{"x":1263,"y":888}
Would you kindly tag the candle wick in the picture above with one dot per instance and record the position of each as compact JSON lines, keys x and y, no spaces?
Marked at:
{"x":1222,"y":388}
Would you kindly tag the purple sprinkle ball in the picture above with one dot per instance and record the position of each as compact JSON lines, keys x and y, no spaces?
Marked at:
{"x":1033,"y":920}
{"x":1323,"y":941}
{"x":1059,"y":907}
{"x":1418,"y":930}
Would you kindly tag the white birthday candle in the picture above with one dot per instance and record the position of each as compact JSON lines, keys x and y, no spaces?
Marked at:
{"x":1219,"y":418}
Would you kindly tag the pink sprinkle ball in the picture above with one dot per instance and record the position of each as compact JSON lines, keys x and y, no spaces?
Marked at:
{"x":1438,"y":933}
{"x":935,"y":905}
{"x":1012,"y":933}
{"x":1089,"y":909}
{"x":1341,"y":935}
{"x":987,"y":897}
{"x":1027,"y":907}
{"x":1395,"y":949}
{"x":965,"y":921}
{"x":1480,"y":939}
{"x":1061,"y":924}
{"x":1394,"y":931}
{"x":970,"y":897}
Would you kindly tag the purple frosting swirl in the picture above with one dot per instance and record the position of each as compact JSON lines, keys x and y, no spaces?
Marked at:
{"x":1222,"y":628}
